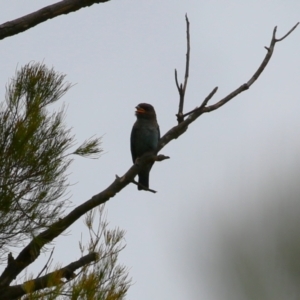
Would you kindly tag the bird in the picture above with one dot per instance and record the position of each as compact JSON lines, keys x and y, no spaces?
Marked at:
{"x":144,"y":138}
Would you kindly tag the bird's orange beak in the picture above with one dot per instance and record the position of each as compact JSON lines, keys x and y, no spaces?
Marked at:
{"x":139,"y":110}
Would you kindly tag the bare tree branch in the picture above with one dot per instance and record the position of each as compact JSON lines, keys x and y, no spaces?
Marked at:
{"x":30,"y":253}
{"x":278,"y":40}
{"x":49,"y":280}
{"x":49,"y":12}
{"x":32,"y":250}
{"x":188,"y":47}
{"x":176,"y":81}
{"x":204,"y":109}
{"x":247,"y":85}
{"x":205,"y":101}
{"x":178,"y":130}
{"x":182,"y":88}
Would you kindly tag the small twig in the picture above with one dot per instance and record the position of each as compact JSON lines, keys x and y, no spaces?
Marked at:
{"x":176,"y":80}
{"x":279,"y":40}
{"x":187,"y":65}
{"x":161,"y":157}
{"x":208,"y":97}
{"x":205,"y":101}
{"x":46,"y":265}
{"x":182,"y":88}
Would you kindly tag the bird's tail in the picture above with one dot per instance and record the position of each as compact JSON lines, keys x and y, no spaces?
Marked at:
{"x":143,"y":180}
{"x":144,"y":177}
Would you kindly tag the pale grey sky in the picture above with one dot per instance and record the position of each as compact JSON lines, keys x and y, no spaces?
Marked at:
{"x":122,"y":53}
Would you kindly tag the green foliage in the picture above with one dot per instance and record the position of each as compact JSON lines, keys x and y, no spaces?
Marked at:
{"x":33,"y":154}
{"x":89,"y":148}
{"x":34,"y":158}
{"x":104,"y":279}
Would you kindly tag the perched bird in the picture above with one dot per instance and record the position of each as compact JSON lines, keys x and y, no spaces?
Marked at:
{"x":144,"y":138}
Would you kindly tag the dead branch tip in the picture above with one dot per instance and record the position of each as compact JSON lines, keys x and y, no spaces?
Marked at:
{"x":287,"y":34}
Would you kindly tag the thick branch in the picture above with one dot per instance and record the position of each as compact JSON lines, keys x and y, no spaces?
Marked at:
{"x":49,"y":12}
{"x":49,"y":280}
{"x":30,"y":253}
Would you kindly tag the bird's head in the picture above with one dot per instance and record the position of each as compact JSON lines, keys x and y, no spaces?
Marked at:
{"x":145,"y":111}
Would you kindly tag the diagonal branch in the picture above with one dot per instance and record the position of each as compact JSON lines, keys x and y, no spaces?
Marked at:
{"x":49,"y":12}
{"x":32,"y":250}
{"x":270,"y":50}
{"x":48,"y":280}
{"x":205,"y":101}
{"x":260,"y":69}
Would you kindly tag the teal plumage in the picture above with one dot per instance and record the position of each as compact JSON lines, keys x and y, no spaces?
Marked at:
{"x":144,"y":138}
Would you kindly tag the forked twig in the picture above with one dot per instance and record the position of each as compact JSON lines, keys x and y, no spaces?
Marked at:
{"x":260,"y":69}
{"x":203,"y":108}
{"x":178,"y":130}
{"x":279,"y":40}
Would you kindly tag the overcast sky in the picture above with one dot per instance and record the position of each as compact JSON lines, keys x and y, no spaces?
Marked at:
{"x":230,"y":169}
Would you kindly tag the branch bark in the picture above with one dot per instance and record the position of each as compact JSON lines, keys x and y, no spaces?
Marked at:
{"x":31,"y":252}
{"x":49,"y":12}
{"x":49,"y":280}
{"x":195,"y":113}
